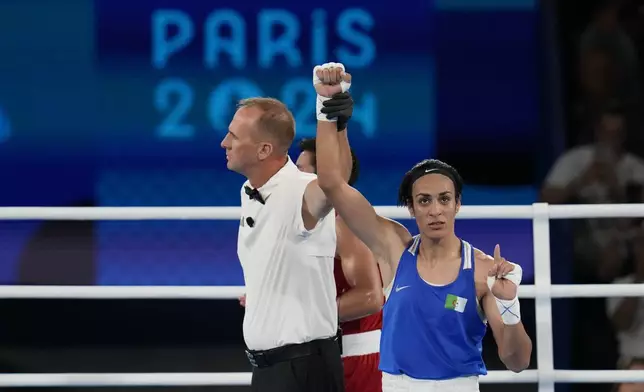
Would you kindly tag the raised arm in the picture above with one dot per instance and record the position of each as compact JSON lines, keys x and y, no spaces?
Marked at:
{"x":351,"y":205}
{"x":501,"y":307}
{"x":316,"y":204}
{"x":380,"y":235}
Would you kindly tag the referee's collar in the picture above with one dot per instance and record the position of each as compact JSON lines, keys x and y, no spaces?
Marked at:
{"x":272,"y":183}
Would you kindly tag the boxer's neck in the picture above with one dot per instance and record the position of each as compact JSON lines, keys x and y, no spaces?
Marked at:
{"x":436,"y":251}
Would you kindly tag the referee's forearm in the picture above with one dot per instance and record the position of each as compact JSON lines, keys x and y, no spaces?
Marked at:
{"x":515,"y":348}
{"x":329,"y":167}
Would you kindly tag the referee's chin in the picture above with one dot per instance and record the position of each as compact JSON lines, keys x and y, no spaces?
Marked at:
{"x":231,"y":166}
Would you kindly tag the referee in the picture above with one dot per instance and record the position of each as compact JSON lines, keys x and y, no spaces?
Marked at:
{"x":286,"y":245}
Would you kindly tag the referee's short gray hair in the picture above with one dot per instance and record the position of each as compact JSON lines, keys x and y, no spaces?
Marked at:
{"x":276,"y":120}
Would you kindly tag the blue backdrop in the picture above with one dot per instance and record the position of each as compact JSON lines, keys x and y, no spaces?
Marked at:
{"x":124,"y":103}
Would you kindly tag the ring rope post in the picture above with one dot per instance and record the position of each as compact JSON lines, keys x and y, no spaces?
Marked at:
{"x":543,"y":299}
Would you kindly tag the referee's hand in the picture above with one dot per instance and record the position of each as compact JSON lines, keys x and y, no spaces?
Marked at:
{"x":242,"y":300}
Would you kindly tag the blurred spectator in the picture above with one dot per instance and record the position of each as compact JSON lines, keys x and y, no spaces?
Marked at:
{"x":598,"y":78}
{"x":632,"y":19}
{"x":627,"y":314}
{"x":633,"y":22}
{"x":598,"y":172}
{"x":605,"y":35}
{"x":609,"y":70}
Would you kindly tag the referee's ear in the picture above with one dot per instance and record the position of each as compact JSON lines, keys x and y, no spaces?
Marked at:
{"x":264,"y":150}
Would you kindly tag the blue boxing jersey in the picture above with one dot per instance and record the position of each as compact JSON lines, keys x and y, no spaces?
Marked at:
{"x":432,"y":332}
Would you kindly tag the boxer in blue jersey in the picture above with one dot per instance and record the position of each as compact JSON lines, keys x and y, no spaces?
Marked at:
{"x":441,"y":291}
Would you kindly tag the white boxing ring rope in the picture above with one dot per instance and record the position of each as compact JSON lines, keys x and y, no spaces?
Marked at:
{"x":542,"y":290}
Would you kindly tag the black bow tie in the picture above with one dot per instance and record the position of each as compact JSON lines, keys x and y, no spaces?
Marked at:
{"x":254,"y":194}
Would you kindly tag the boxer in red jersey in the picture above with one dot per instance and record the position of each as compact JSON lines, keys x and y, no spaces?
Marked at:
{"x":360,"y":295}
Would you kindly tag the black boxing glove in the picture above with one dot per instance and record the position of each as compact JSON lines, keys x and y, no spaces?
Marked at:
{"x":340,"y":107}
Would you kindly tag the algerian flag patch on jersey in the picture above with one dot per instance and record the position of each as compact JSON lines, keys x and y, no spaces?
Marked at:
{"x":455,"y":303}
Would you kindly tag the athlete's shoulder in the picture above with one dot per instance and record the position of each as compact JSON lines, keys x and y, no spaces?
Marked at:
{"x":397,"y":227}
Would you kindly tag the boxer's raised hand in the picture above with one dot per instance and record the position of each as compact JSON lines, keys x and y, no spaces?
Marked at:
{"x":504,"y":279}
{"x":505,"y":284}
{"x":333,"y":102}
{"x":330,"y":79}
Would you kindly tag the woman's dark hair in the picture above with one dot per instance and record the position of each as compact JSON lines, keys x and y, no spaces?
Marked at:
{"x":426,"y":167}
{"x":308,"y":144}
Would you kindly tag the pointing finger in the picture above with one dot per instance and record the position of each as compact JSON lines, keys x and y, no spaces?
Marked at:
{"x":497,"y":254}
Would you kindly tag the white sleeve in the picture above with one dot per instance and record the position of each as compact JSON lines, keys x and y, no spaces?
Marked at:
{"x":613,"y":303}
{"x":565,"y":170}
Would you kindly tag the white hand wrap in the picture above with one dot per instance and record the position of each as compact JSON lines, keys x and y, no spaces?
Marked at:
{"x":319,"y":102}
{"x":510,"y":309}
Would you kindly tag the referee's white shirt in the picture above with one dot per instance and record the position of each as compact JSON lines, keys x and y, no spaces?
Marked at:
{"x":288,"y":270}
